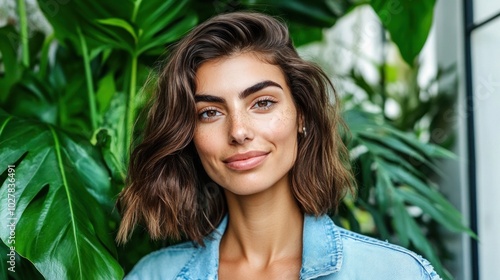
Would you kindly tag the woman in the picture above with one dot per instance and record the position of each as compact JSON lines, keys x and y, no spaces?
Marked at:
{"x":241,"y":155}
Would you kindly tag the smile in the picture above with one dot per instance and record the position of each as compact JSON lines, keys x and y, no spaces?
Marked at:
{"x":246,"y":161}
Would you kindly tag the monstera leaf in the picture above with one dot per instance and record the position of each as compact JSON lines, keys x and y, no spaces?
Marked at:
{"x":62,"y":195}
{"x":409,"y":23}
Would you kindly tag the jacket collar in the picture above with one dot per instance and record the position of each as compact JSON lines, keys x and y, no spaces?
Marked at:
{"x":321,"y":251}
{"x":321,"y":247}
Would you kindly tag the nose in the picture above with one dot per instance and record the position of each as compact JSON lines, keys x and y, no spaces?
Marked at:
{"x":240,"y":128}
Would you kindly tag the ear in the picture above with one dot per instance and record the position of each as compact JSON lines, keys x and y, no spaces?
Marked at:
{"x":300,"y":122}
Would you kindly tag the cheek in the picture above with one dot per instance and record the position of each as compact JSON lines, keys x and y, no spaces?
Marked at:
{"x":203,"y":143}
{"x":283,"y":127}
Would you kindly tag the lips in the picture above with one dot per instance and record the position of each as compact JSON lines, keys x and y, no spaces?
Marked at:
{"x":245,"y":161}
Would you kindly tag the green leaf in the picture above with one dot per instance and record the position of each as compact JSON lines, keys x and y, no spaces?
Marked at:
{"x":384,"y":190}
{"x":152,"y":17}
{"x":33,"y":99}
{"x":45,"y":56}
{"x":408,"y":230}
{"x":393,"y":143}
{"x":444,"y":214}
{"x":360,"y":121}
{"x":105,"y":90}
{"x":405,"y":177}
{"x":128,"y":25}
{"x":428,"y":149}
{"x":368,"y":176}
{"x":402,"y":222}
{"x":104,"y":141}
{"x":63,"y":201}
{"x":300,"y":37}
{"x":383,"y":231}
{"x":402,"y":17}
{"x":173,"y":33}
{"x":19,"y":269}
{"x":8,"y":58}
{"x":388,"y":154}
{"x":119,"y":23}
{"x":347,"y":212}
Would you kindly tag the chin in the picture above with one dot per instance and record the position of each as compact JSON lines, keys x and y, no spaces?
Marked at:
{"x":245,"y":191}
{"x":252,"y":187}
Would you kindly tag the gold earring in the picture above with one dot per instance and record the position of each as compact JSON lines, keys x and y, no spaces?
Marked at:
{"x":304,"y":131}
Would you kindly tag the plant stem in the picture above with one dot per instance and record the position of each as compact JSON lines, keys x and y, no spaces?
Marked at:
{"x":137,"y":4}
{"x":131,"y":105}
{"x":44,"y":56}
{"x":88,"y":79}
{"x":23,"y":21}
{"x":382,"y":72}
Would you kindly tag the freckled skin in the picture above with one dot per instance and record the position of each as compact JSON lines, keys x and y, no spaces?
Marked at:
{"x":242,"y":125}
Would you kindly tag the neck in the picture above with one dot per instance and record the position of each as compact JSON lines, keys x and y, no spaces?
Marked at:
{"x":263,"y":227}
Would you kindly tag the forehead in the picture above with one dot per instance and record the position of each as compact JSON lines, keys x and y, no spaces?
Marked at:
{"x":235,"y":73}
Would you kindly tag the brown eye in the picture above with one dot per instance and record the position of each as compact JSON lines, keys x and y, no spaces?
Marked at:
{"x":262,"y":103}
{"x":209,"y":114}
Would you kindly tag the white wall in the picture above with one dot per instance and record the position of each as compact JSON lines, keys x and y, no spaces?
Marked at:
{"x":486,"y":81}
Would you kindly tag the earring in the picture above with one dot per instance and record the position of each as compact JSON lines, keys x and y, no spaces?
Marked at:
{"x":304,"y":131}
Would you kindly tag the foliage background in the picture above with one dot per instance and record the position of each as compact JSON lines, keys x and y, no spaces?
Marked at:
{"x":69,"y":100}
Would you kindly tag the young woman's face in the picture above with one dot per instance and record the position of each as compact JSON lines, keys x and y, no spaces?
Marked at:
{"x":246,"y":132}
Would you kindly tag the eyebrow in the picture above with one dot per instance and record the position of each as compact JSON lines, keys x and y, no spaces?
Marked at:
{"x":242,"y":95}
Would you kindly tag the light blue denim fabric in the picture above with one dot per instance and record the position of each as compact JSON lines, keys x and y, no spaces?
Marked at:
{"x":329,"y":252}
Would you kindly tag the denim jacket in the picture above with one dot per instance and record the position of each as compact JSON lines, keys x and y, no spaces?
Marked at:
{"x":329,"y":252}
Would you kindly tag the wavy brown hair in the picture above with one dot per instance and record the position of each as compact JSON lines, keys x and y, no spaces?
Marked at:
{"x":167,"y":187}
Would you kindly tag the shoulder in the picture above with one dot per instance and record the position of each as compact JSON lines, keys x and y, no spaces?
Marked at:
{"x":187,"y":260}
{"x":365,"y":254}
{"x":166,"y":263}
